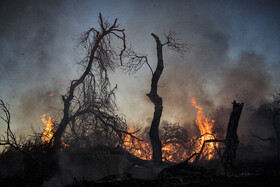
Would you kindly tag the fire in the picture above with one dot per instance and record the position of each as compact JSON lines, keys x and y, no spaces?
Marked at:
{"x":205,"y":125}
{"x":136,"y":147}
{"x":173,"y":149}
{"x":48,"y":130}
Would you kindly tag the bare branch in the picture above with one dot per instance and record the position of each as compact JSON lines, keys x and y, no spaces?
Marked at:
{"x":173,"y":44}
{"x":203,"y":145}
{"x":135,"y":61}
{"x":10,"y":138}
{"x":101,"y":59}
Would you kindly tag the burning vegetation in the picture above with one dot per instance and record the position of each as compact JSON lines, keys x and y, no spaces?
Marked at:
{"x":98,"y":137}
{"x":48,"y":130}
{"x":176,"y":147}
{"x":205,"y":126}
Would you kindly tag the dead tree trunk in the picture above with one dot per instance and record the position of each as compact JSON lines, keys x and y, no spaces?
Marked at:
{"x":157,"y":100}
{"x":229,"y":157}
{"x":231,"y":142}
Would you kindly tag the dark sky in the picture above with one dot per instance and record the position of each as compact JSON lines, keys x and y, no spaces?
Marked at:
{"x":234,"y":54}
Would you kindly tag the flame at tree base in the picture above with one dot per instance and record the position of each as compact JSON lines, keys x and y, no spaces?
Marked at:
{"x":173,"y":150}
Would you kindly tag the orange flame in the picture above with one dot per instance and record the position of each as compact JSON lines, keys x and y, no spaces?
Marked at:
{"x":138,"y":148}
{"x":48,"y":130}
{"x":205,"y":126}
{"x":171,"y":150}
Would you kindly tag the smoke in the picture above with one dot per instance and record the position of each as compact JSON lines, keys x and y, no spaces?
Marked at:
{"x":229,"y":58}
{"x":35,"y":58}
{"x":248,"y":80}
{"x":38,"y":52}
{"x":33,"y":104}
{"x":27,"y":42}
{"x":216,"y":70}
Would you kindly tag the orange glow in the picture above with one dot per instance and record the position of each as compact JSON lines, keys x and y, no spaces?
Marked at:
{"x":48,"y":130}
{"x":171,"y":150}
{"x":205,"y":126}
{"x":138,"y":148}
{"x":51,"y":94}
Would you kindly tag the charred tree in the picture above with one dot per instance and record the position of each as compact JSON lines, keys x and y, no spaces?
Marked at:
{"x":90,"y":97}
{"x":75,"y":83}
{"x":229,"y":157}
{"x":157,"y":100}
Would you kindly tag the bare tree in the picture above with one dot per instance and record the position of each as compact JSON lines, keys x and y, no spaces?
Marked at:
{"x":90,"y":98}
{"x":9,"y":139}
{"x":153,"y":95}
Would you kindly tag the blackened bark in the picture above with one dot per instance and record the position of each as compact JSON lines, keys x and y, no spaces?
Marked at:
{"x":67,"y":99}
{"x":157,"y":100}
{"x":229,"y":157}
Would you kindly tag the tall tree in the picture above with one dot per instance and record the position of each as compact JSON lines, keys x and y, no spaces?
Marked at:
{"x":157,"y":100}
{"x":90,"y":97}
{"x":153,"y":95}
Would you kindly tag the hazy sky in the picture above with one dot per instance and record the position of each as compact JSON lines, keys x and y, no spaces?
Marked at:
{"x":234,"y":54}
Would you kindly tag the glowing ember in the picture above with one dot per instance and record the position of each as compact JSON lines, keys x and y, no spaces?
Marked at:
{"x":48,"y":130}
{"x":205,"y":126}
